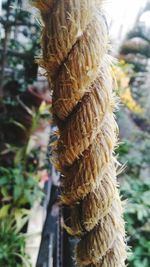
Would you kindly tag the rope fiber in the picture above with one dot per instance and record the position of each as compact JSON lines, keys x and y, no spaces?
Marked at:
{"x":75,"y":44}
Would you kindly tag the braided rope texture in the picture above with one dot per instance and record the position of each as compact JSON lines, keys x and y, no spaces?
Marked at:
{"x":75,"y":46}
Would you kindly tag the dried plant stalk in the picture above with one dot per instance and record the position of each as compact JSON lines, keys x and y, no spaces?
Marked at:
{"x":75,"y":44}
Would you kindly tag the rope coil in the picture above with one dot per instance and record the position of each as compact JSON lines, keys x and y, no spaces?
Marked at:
{"x":75,"y":45}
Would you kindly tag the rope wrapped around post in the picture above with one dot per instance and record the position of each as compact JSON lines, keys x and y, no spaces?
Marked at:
{"x":75,"y":45}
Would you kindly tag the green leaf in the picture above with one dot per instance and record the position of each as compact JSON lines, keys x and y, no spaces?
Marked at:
{"x":30,"y":145}
{"x":21,"y":217}
{"x":18,"y":124}
{"x":19,"y":155}
{"x":5,"y":193}
{"x":3,"y":181}
{"x":141,"y":213}
{"x":4,"y":211}
{"x":146,"y":198}
{"x":17,"y":192}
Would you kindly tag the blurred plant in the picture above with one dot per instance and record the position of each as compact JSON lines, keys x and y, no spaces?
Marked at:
{"x":128,"y":100}
{"x":137,"y":217}
{"x":19,"y":185}
{"x":17,"y":130}
{"x":122,"y":73}
{"x":19,"y":43}
{"x":134,"y":154}
{"x":137,"y":192}
{"x":135,"y":50}
{"x":12,"y":244}
{"x":18,"y":191}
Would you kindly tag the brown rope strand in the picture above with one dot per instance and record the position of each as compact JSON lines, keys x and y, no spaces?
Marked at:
{"x":75,"y":45}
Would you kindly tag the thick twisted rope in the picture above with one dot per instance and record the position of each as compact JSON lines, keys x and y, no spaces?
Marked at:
{"x":75,"y":44}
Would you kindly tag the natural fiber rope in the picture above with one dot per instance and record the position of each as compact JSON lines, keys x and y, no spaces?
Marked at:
{"x":75,"y":44}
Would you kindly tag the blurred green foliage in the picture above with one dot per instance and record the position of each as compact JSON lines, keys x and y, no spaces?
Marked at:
{"x":12,"y":245}
{"x":137,"y":217}
{"x":18,"y":189}
{"x":136,"y":190}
